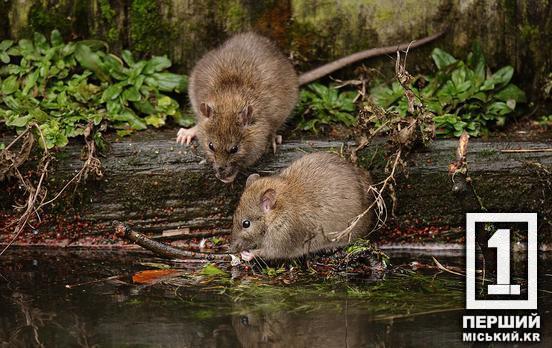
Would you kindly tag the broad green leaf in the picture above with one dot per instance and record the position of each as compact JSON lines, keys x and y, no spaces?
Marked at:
{"x":499,"y":108}
{"x":132,"y":94}
{"x":502,"y":76}
{"x":5,"y":44}
{"x":112,"y":92}
{"x":127,"y":115}
{"x":127,"y":57}
{"x":155,"y":120}
{"x":18,"y":121}
{"x":40,"y":42}
{"x":157,"y":64}
{"x":168,"y":82}
{"x":511,"y":92}
{"x":442,"y":59}
{"x":55,"y":38}
{"x":10,"y":85}
{"x":92,"y":61}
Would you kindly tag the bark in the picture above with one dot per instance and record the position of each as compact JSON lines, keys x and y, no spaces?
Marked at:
{"x":153,"y":184}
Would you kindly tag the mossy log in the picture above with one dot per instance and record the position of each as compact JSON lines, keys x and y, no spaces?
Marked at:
{"x":154,"y":185}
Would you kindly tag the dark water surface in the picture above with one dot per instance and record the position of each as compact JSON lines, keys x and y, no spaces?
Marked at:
{"x":402,"y":310}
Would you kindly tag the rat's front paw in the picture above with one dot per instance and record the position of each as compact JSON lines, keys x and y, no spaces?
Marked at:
{"x":246,"y":255}
{"x":186,"y":135}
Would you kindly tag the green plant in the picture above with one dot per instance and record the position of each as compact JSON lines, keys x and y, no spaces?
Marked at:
{"x":545,"y":121}
{"x":463,"y":95}
{"x":62,"y":87}
{"x":325,"y":105}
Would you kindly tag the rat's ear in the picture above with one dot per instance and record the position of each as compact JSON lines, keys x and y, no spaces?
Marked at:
{"x":246,"y":115}
{"x":268,"y":199}
{"x":251,"y":178}
{"x":206,"y":110}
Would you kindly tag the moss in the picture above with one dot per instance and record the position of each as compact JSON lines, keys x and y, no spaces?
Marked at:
{"x":149,"y":31}
{"x":109,"y":18}
{"x":70,"y":18}
{"x":235,"y":15}
{"x":44,"y":19}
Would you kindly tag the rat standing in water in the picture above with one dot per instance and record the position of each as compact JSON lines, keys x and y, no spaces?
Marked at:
{"x":298,"y":211}
{"x":243,"y":91}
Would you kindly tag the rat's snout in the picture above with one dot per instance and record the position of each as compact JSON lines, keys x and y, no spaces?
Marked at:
{"x":225,"y":172}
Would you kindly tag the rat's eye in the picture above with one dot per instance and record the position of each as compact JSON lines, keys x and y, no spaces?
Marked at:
{"x":211,"y":147}
{"x":234,"y":149}
{"x":246,"y":223}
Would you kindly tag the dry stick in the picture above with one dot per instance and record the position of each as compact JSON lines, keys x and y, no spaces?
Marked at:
{"x":123,"y":231}
{"x":385,"y":182}
{"x":30,"y":208}
{"x":70,"y":286}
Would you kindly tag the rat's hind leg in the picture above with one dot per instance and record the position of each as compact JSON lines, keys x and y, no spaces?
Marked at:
{"x":276,"y":140}
{"x":186,"y":135}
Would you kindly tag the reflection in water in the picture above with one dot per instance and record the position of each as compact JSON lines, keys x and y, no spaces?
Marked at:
{"x":38,"y":311}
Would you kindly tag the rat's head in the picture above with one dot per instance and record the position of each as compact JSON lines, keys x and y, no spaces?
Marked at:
{"x":223,"y":134}
{"x":252,"y":216}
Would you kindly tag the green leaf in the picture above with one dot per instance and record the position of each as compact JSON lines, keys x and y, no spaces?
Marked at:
{"x":442,"y":59}
{"x":112,"y":92}
{"x":155,"y":120}
{"x":168,"y":82}
{"x":499,"y":108}
{"x":5,"y":44}
{"x":4,"y":57}
{"x":55,"y":38}
{"x":132,"y":94}
{"x":127,"y":57}
{"x":511,"y":92}
{"x":502,"y":76}
{"x":91,"y":61}
{"x":127,"y":115}
{"x":157,"y":64}
{"x":2,"y":146}
{"x":10,"y":85}
{"x":40,"y":41}
{"x":18,"y":121}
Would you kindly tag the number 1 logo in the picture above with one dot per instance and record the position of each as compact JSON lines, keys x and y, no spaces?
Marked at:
{"x":501,"y":241}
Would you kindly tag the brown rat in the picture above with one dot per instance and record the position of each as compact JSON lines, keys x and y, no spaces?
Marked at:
{"x":296,"y":212}
{"x":243,"y":91}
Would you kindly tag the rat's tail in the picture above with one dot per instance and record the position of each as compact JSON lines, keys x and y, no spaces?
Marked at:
{"x":326,"y":69}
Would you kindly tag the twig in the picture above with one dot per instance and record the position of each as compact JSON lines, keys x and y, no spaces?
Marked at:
{"x":70,"y":286}
{"x":124,"y":231}
{"x":443,"y":268}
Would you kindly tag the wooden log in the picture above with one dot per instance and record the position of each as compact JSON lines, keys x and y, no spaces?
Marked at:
{"x":153,"y":184}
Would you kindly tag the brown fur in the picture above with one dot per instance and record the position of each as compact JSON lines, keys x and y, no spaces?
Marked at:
{"x":318,"y":194}
{"x":247,"y":71}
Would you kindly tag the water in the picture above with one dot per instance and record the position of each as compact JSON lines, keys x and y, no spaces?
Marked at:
{"x":408,"y":309}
